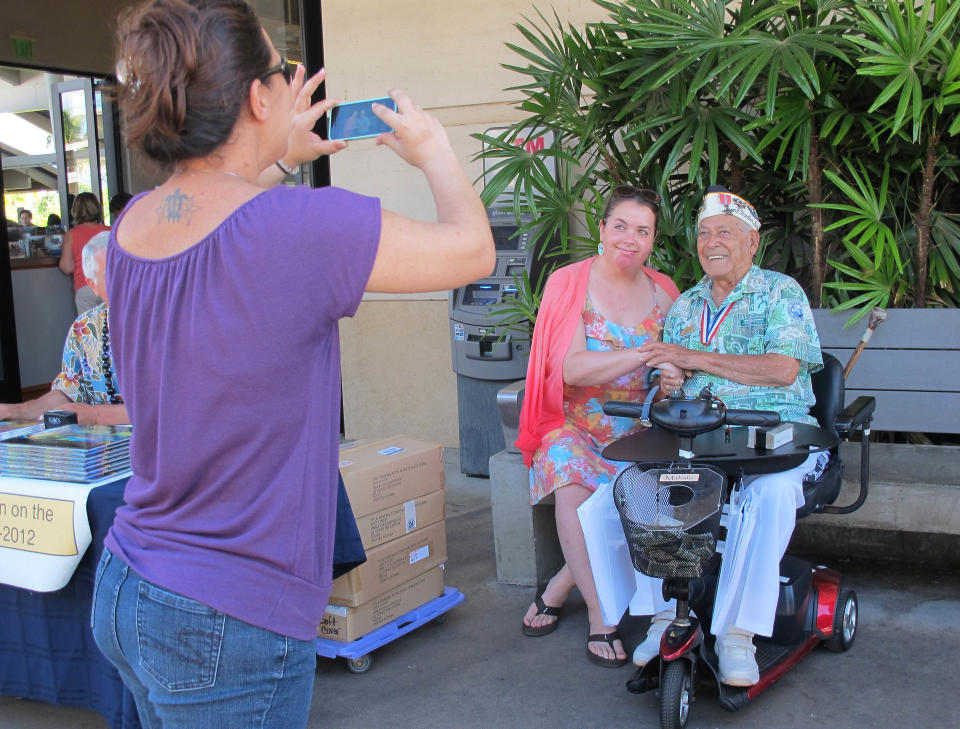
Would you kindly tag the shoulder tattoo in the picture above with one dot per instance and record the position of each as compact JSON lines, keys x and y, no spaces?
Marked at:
{"x":175,"y":208}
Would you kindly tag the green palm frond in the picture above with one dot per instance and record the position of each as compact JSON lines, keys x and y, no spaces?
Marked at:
{"x":903,"y":45}
{"x":866,"y":223}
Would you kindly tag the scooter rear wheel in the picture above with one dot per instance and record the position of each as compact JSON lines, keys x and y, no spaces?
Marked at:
{"x":676,"y":695}
{"x":844,"y":622}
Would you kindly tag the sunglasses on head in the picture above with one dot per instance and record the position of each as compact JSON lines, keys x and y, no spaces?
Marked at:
{"x":287,"y":68}
{"x":627,"y":192}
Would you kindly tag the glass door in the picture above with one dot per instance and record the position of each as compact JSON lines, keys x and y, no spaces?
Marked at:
{"x":58,"y":138}
{"x":76,"y":121}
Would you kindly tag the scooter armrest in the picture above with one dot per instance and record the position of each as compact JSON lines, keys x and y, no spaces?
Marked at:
{"x":857,"y":414}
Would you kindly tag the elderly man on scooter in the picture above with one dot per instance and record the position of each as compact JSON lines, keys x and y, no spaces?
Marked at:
{"x":749,"y":335}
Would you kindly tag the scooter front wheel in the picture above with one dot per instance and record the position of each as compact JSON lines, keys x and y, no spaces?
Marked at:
{"x":676,"y":695}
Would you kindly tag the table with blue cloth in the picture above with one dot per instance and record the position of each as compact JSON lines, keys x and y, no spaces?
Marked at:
{"x":47,"y":651}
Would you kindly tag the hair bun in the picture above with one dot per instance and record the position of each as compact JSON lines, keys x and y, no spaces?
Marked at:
{"x":183,"y":71}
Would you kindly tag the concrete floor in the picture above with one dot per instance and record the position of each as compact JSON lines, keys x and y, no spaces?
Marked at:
{"x":476,"y":671}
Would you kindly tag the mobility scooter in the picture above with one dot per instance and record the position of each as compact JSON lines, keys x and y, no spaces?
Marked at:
{"x":671,"y":502}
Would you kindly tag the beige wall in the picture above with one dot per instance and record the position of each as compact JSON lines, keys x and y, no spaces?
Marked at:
{"x":397,"y":375}
{"x":397,"y":370}
{"x":67,"y":35}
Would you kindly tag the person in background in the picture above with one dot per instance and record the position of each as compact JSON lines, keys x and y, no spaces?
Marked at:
{"x":25,"y":218}
{"x":117,"y":203}
{"x":216,"y":571}
{"x":748,"y":334}
{"x":87,"y":216}
{"x":87,"y":383}
{"x":53,"y":220}
{"x":594,"y":317}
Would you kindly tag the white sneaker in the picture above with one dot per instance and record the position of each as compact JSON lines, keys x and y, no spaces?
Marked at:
{"x":737,"y":654}
{"x":650,"y":647}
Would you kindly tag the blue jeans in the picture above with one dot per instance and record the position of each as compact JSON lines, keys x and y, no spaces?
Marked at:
{"x":191,"y":666}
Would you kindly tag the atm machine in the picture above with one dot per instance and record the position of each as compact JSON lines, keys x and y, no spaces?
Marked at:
{"x":484,"y":358}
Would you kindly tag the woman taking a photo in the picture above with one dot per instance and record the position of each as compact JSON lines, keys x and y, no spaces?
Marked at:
{"x":225,"y":299}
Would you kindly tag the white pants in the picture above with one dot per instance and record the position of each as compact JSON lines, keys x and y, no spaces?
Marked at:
{"x":763,"y":511}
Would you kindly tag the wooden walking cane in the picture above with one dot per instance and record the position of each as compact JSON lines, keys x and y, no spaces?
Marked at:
{"x":877,"y":317}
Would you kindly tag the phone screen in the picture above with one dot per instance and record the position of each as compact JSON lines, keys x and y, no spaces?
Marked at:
{"x":356,"y":120}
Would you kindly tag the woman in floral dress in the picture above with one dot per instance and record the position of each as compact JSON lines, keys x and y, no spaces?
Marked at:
{"x":594,"y":316}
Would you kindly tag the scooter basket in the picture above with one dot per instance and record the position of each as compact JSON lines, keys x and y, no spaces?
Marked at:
{"x":670,"y":517}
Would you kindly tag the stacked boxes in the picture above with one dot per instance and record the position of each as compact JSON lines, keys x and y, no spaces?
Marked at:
{"x":396,"y":490}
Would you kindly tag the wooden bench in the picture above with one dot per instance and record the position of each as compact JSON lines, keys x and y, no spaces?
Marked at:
{"x":909,"y":365}
{"x":914,"y":508}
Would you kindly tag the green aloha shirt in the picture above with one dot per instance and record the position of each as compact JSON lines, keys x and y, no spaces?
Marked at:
{"x":770,"y":314}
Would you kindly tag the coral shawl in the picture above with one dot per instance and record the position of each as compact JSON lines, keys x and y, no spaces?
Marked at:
{"x":559,"y":315}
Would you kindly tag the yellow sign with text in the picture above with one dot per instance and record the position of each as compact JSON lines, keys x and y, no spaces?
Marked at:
{"x":39,"y":525}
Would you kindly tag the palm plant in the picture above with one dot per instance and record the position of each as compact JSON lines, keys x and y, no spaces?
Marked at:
{"x":770,"y":98}
{"x":915,"y":47}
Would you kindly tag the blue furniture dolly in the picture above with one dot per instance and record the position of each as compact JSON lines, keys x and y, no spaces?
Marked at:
{"x":358,"y":652}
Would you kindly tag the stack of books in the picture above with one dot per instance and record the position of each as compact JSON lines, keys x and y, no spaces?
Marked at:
{"x":78,"y":453}
{"x":14,"y":427}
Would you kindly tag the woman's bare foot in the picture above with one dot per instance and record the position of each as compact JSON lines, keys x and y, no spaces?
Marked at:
{"x":553,"y":596}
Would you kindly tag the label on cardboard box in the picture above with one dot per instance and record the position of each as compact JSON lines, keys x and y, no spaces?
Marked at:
{"x":391,"y":564}
{"x":379,"y":474}
{"x":396,"y":521}
{"x":418,"y":554}
{"x":345,"y":624}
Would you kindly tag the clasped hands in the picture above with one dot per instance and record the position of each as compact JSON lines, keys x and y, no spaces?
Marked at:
{"x":674,"y":362}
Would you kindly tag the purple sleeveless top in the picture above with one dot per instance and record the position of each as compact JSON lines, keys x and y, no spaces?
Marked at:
{"x":228,"y":359}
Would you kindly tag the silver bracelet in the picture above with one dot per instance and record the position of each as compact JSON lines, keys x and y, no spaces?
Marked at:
{"x":287,"y":170}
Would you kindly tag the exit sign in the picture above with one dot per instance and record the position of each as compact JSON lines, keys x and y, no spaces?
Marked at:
{"x":21,"y":47}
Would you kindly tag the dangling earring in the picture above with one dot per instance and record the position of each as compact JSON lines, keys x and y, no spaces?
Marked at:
{"x":600,"y":249}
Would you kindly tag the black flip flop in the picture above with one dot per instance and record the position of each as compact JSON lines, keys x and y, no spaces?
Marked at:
{"x":607,"y":638}
{"x":542,"y":609}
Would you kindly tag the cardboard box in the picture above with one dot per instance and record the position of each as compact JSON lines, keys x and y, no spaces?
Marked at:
{"x":391,"y":564}
{"x":382,"y":473}
{"x":345,"y":624}
{"x":402,"y":519}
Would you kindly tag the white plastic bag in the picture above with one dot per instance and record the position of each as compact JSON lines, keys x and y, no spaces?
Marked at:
{"x":610,"y":563}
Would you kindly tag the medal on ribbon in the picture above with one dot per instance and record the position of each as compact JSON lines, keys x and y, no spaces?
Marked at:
{"x":708,"y":325}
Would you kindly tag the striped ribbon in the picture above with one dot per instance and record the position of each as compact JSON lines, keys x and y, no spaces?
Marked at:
{"x":708,"y":325}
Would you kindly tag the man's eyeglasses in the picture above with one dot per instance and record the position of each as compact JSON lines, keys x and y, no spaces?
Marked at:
{"x":287,"y":68}
{"x":628,"y":192}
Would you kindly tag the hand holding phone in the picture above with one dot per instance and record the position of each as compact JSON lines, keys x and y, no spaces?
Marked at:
{"x":356,"y":120}
{"x":303,"y":142}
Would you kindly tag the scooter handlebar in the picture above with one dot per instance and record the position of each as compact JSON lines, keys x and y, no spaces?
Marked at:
{"x":623,"y":409}
{"x":762,"y":418}
{"x":682,"y":422}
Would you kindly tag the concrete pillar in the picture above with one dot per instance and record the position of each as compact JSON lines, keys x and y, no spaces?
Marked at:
{"x":525,"y":537}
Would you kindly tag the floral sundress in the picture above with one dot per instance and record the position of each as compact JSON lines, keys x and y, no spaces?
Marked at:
{"x":571,"y":453}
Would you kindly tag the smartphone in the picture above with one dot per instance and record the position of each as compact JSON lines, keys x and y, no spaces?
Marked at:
{"x":356,"y":120}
